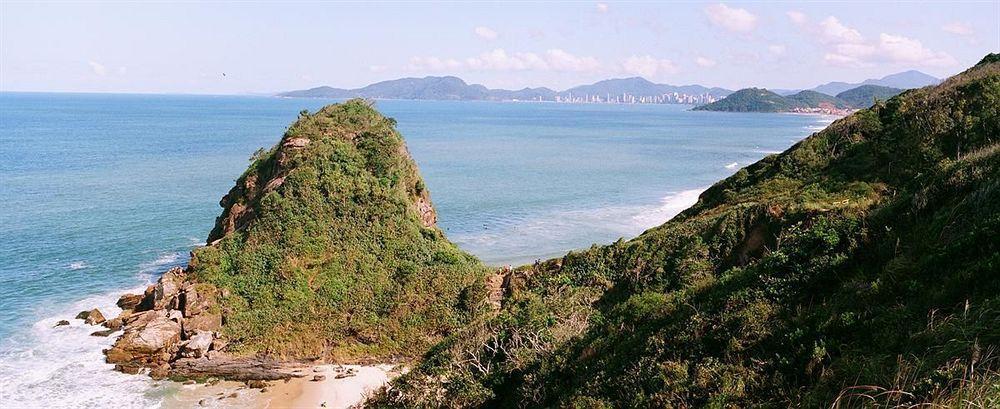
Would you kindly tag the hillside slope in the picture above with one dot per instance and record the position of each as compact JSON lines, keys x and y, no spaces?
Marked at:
{"x":861,"y":267}
{"x":866,"y":95}
{"x":327,"y":246}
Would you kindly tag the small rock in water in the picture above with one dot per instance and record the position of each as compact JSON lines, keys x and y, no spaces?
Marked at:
{"x":263,"y":390}
{"x":317,"y":369}
{"x":103,"y":333}
{"x":61,"y":323}
{"x":317,"y":378}
{"x":323,"y":405}
{"x":233,"y":395}
{"x":190,"y":382}
{"x":92,"y":317}
{"x":203,"y":402}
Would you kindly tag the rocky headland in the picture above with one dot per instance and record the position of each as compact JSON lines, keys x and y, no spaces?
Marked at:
{"x":858,"y":268}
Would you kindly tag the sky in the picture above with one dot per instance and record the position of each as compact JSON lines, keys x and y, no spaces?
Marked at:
{"x":264,"y":47}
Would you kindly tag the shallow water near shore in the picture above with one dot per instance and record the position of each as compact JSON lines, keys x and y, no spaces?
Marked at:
{"x":101,"y":193}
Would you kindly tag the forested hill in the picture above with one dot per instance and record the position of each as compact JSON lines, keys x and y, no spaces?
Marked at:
{"x":763,"y":100}
{"x":860,"y":267}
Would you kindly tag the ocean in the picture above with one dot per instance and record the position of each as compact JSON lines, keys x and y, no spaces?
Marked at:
{"x":101,"y":192}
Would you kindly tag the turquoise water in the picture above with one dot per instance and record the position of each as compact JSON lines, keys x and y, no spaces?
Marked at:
{"x":99,"y":193}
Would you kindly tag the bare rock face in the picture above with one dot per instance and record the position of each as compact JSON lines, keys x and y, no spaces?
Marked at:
{"x":150,"y":339}
{"x":167,"y":288}
{"x":92,"y":317}
{"x":197,"y":345}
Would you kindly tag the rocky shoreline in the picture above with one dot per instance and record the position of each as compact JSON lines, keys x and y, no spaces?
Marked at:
{"x":172,"y":331}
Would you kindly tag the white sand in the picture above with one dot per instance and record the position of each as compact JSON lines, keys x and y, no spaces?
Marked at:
{"x":334,"y":393}
{"x":297,"y":393}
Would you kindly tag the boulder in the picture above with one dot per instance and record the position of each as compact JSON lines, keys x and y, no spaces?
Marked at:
{"x":203,"y":322}
{"x":166,"y":289}
{"x":318,"y":378}
{"x":150,"y":339}
{"x":129,"y":301}
{"x":61,"y":323}
{"x":147,"y":299}
{"x":113,"y":324}
{"x":197,"y":298}
{"x":198,"y":345}
{"x":92,"y":317}
{"x":103,"y":333}
{"x":257,"y":384}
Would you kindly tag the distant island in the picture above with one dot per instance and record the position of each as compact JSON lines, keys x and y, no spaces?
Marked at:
{"x":763,"y":100}
{"x":634,"y":90}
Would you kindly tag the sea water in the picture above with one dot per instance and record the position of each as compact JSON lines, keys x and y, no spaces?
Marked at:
{"x":100,"y":193}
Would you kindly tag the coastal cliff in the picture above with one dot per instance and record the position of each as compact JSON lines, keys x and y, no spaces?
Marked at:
{"x":861,"y":267}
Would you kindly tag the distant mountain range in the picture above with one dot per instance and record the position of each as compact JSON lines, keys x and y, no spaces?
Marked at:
{"x":623,"y":90}
{"x":762,"y":100}
{"x":903,"y":80}
{"x":633,"y":89}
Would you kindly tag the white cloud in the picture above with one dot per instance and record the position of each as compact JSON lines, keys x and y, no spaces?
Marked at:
{"x":377,"y":68}
{"x":959,"y":28}
{"x":845,"y":46}
{"x":797,"y":17}
{"x":705,"y":62}
{"x":434,"y":64}
{"x":890,"y":48}
{"x":501,"y":60}
{"x":98,"y":68}
{"x":560,"y":60}
{"x":908,"y":50}
{"x":777,"y":49}
{"x":486,"y":32}
{"x":602,"y":7}
{"x":832,"y":31}
{"x":730,"y":18}
{"x":648,"y":66}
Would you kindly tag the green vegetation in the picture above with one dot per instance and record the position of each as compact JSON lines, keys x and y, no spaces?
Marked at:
{"x":762,"y":100}
{"x":859,"y":268}
{"x":866,"y":95}
{"x":327,"y":247}
{"x":749,"y":100}
{"x":813,"y":99}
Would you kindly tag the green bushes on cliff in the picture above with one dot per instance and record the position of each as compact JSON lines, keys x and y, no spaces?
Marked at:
{"x":859,"y":268}
{"x":327,"y":247}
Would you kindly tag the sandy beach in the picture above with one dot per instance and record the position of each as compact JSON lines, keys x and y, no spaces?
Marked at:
{"x":320,"y":386}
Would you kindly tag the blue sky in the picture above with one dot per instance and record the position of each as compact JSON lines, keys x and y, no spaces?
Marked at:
{"x":266,"y":47}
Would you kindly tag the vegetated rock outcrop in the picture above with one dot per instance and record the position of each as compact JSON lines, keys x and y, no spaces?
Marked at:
{"x":861,"y":267}
{"x":327,"y":248}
